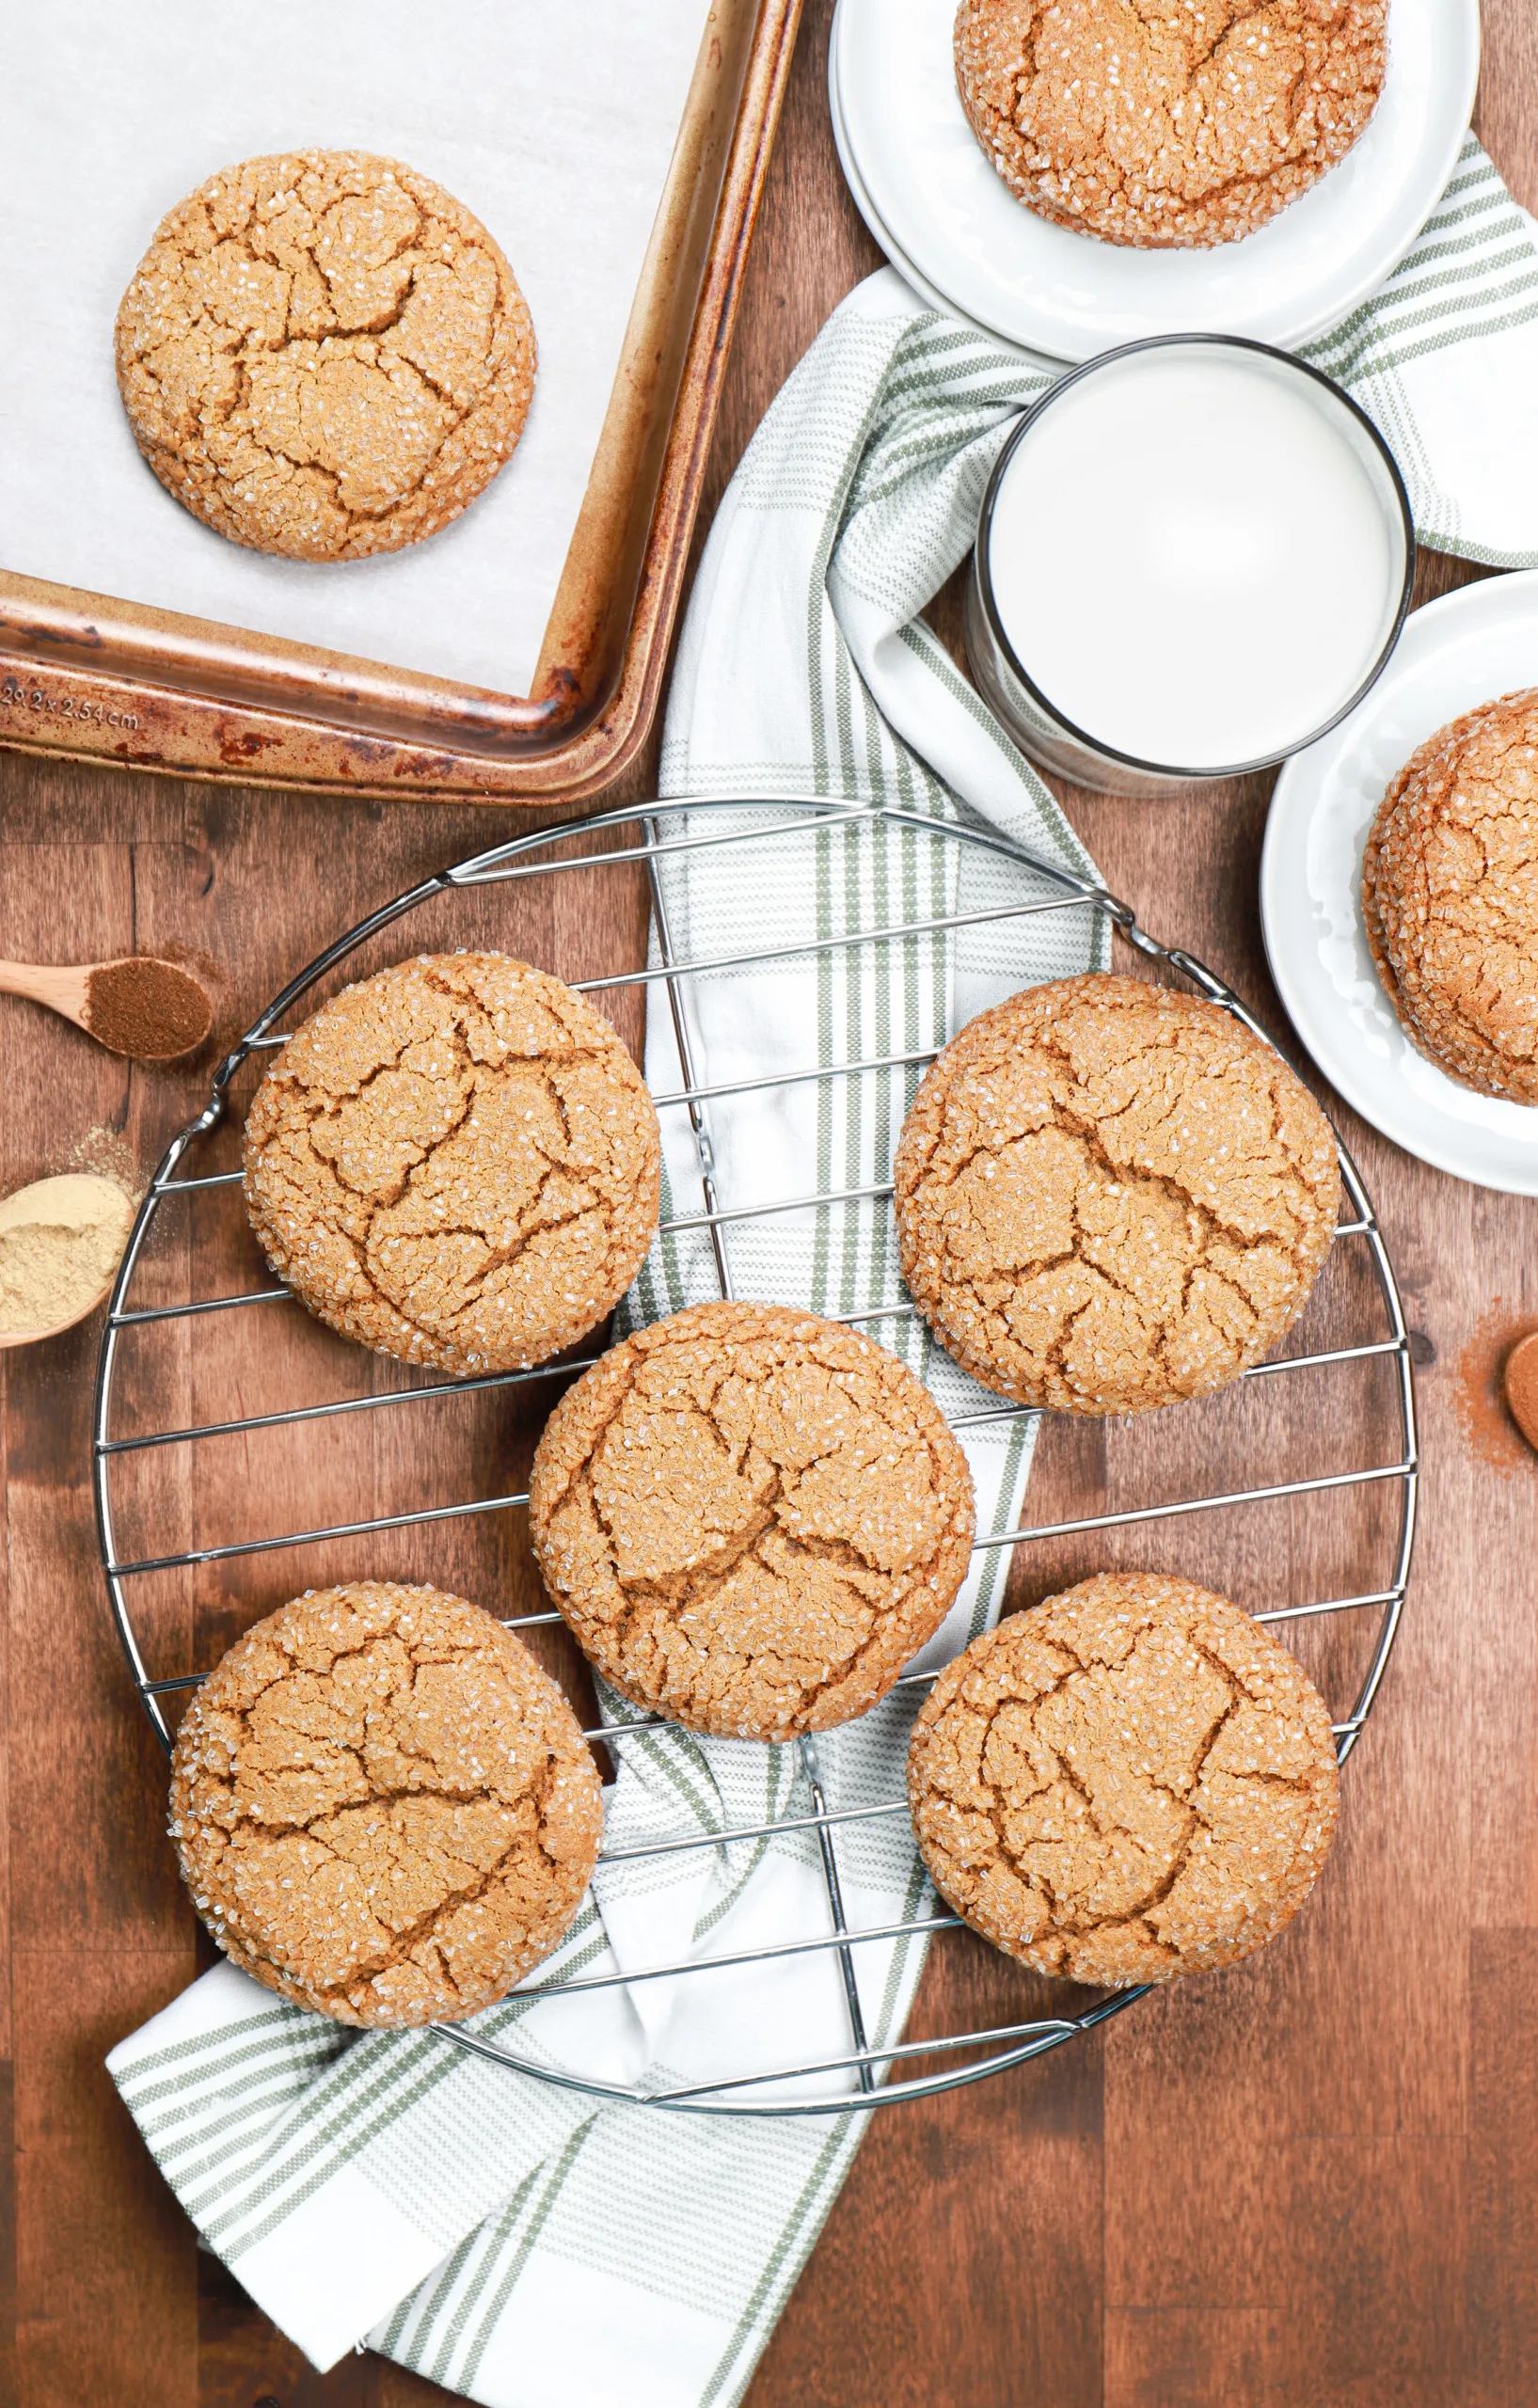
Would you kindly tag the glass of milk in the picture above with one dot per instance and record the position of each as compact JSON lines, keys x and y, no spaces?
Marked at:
{"x":1193,"y":556}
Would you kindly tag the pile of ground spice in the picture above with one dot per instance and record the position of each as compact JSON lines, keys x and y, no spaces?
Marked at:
{"x":147,"y":1008}
{"x":1484,"y":1414}
{"x":105,"y":1153}
{"x":1522,"y":1387}
{"x":61,"y":1241}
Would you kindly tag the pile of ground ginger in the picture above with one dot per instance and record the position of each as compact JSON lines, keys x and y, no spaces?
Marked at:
{"x":60,"y":1242}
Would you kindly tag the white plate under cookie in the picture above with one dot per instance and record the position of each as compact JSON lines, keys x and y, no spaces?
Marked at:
{"x":1453,"y":654}
{"x":944,"y":218}
{"x":880,"y":230}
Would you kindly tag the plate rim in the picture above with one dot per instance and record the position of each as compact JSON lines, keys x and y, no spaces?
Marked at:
{"x":1289,"y":798}
{"x":1459,"y":23}
{"x":885,"y":241}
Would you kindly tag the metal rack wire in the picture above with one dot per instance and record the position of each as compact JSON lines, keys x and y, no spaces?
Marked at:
{"x":576,"y":847}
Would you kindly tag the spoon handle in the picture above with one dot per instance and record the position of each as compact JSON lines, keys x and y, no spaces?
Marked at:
{"x":56,"y":985}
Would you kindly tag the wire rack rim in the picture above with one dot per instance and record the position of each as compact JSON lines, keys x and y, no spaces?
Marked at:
{"x":1051,"y":2035}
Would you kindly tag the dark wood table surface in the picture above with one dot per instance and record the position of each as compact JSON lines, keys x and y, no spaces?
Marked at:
{"x":1308,"y":2183}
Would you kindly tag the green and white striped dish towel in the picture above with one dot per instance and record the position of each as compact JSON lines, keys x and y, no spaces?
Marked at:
{"x":520,"y":2242}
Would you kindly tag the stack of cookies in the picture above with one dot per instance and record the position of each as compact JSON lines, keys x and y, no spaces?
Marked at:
{"x":1449,"y":894}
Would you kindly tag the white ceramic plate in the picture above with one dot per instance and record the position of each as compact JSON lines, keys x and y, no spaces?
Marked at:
{"x":881,"y":233}
{"x":948,"y":222}
{"x":1453,"y":654}
{"x":894,"y":252}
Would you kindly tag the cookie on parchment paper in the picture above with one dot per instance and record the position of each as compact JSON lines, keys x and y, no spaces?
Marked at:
{"x":383,"y":1808}
{"x":325,"y":354}
{"x":1130,"y":1781}
{"x":1170,"y":127}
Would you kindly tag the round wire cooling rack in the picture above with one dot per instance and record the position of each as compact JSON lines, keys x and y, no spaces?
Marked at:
{"x":667,"y":830}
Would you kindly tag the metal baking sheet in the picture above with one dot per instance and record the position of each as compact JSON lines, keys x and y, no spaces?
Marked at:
{"x":555,"y":126}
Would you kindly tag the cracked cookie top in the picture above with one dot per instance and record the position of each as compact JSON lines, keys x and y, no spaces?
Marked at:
{"x":325,"y":354}
{"x":455,"y":1163}
{"x":1110,"y":1195}
{"x":1129,"y":1781}
{"x":1167,"y":123}
{"x":383,"y":1808}
{"x":752,"y":1518}
{"x":1449,"y":894}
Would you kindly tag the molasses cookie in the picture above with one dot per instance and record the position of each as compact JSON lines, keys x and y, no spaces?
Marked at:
{"x":455,"y":1163}
{"x":1130,"y":1781}
{"x":752,"y":1518}
{"x":1110,"y":1196}
{"x":1449,"y":894}
{"x":1167,"y":127}
{"x":383,"y":1808}
{"x":325,"y":354}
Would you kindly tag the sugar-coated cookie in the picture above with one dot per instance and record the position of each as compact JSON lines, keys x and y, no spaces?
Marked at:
{"x":1130,"y":1781}
{"x":383,"y":1808}
{"x":1110,"y":1195}
{"x":752,"y":1518}
{"x":324,"y":355}
{"x":1450,"y":895}
{"x":1164,"y":126}
{"x":455,"y":1162}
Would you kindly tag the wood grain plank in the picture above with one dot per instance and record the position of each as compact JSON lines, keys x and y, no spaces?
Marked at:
{"x":105,"y":2277}
{"x":1506,"y":112}
{"x":1502,"y":2311}
{"x":961,"y":2262}
{"x":8,"y":2379}
{"x":1237,"y":2356}
{"x":1327,"y":2269}
{"x":244,"y":2362}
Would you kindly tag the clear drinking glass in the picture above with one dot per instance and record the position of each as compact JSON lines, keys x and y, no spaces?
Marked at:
{"x":1010,"y":679}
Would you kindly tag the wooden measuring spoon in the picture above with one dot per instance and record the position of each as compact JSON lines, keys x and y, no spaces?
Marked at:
{"x":77,"y":1200}
{"x":138,"y":1004}
{"x":35,"y":1336}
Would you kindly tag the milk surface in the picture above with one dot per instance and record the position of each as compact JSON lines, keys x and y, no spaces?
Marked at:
{"x":1192,"y":560}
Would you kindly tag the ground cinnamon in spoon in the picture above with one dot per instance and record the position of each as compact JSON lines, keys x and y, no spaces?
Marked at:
{"x":147,"y":1008}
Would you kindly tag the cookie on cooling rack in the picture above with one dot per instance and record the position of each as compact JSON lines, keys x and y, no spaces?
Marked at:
{"x":1449,"y":894}
{"x":1110,"y":1196}
{"x":752,"y":1518}
{"x":383,"y":1808}
{"x":1170,"y":128}
{"x":456,"y":1162}
{"x":324,"y":355}
{"x":1130,"y":1781}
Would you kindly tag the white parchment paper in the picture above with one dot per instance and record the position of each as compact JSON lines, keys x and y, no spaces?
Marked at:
{"x":552,"y":119}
